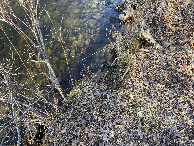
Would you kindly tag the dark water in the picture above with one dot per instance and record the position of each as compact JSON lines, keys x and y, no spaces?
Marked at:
{"x":74,"y":31}
{"x":80,"y":29}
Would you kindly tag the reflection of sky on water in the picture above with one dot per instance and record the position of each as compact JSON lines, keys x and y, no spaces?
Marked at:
{"x":74,"y":32}
{"x":84,"y":27}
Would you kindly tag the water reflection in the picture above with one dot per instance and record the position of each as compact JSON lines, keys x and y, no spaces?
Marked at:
{"x":79,"y":29}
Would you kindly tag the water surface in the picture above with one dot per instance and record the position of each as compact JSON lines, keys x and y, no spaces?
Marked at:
{"x":77,"y":32}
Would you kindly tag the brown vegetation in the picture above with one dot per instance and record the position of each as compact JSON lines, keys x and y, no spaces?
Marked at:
{"x":144,"y":96}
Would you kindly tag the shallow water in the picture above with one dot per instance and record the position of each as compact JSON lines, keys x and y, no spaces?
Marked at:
{"x":74,"y":31}
{"x":79,"y":30}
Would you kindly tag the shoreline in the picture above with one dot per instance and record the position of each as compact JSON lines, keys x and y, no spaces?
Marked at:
{"x":143,"y":95}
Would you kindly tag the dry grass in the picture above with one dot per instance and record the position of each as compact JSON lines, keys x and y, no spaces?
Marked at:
{"x":145,"y":95}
